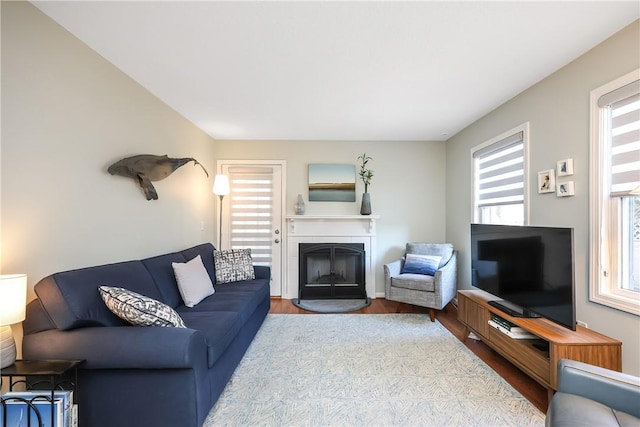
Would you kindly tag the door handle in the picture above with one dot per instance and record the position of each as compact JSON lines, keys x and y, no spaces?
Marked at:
{"x":277,"y":231}
{"x":277,"y":241}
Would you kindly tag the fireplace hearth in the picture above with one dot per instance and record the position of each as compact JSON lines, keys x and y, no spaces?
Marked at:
{"x":331,"y":270}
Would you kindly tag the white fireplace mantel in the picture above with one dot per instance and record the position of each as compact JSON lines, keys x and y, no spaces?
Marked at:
{"x":330,"y":229}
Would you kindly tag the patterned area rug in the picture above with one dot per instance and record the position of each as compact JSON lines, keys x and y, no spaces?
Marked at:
{"x":365,"y":370}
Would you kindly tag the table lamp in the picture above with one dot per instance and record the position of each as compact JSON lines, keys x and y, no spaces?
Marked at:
{"x":221,"y":189}
{"x":13,"y":303}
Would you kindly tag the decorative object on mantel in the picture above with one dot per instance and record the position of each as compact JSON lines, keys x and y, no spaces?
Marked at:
{"x":365,"y":175}
{"x":565,"y":167}
{"x":299,"y":206}
{"x":145,"y":168}
{"x":546,"y":181}
{"x":565,"y":189}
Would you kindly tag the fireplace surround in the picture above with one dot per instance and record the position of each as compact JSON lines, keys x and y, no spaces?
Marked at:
{"x":335,"y":229}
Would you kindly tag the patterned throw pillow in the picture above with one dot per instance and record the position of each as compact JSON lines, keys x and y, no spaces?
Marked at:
{"x":421,"y":264}
{"x":233,"y":265}
{"x":138,"y":309}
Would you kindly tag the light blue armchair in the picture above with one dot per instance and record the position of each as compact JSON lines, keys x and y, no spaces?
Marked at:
{"x":592,"y":396}
{"x":432,"y":287}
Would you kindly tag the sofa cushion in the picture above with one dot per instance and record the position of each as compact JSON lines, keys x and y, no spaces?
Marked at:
{"x":240,"y":297}
{"x":193,"y":280}
{"x":138,"y":309}
{"x":71,"y":299}
{"x":206,"y":253}
{"x":219,"y":329}
{"x":233,"y":265}
{"x":421,"y":264}
{"x":161,"y":270}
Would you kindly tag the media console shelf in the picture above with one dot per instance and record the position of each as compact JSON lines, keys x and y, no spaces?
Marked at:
{"x":537,"y":357}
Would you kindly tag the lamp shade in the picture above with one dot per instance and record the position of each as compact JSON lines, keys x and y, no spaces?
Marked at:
{"x":13,"y":298}
{"x":221,"y":185}
{"x":635,"y":191}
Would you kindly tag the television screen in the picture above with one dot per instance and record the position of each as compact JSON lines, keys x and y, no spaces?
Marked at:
{"x":531,"y":268}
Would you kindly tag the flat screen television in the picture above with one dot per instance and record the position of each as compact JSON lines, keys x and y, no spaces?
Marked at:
{"x":530,"y":268}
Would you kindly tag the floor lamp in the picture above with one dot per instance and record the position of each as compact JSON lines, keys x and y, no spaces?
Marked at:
{"x":221,"y":189}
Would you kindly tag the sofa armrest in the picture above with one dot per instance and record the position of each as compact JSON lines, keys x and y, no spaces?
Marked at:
{"x":611,"y":388}
{"x":262,"y":272}
{"x":125,"y":347}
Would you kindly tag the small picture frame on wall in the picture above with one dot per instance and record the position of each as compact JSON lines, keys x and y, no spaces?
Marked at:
{"x":565,"y":189}
{"x":565,"y":167}
{"x":546,"y":181}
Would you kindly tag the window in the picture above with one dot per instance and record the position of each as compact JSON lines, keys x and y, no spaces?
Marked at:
{"x":499,"y":178}
{"x":614,"y":204}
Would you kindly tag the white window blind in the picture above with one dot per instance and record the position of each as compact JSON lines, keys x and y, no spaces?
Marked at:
{"x":251,"y":211}
{"x":500,"y":172}
{"x":624,"y":115}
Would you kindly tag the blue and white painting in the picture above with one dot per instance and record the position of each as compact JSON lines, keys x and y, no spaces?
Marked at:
{"x":332,"y":183}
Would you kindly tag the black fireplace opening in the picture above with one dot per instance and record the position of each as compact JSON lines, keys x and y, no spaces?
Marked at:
{"x":331,"y":270}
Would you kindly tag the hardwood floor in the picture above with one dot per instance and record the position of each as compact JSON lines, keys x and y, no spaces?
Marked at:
{"x":530,"y":389}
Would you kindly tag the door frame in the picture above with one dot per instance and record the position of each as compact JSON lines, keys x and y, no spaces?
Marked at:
{"x":283,"y":204}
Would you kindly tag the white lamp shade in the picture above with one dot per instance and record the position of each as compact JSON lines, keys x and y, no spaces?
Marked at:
{"x":221,"y":185}
{"x":13,"y":298}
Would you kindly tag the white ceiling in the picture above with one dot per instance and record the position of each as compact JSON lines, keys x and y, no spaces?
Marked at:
{"x":339,"y":70}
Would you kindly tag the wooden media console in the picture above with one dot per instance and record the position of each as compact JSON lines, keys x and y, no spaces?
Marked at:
{"x":537,"y":357}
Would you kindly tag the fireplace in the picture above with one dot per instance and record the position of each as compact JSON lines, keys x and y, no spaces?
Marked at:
{"x":331,"y":270}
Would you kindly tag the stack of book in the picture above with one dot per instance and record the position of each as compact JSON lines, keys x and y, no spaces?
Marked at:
{"x":16,"y":412}
{"x":509,"y":328}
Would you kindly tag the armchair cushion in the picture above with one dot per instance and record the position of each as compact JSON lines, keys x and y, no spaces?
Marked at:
{"x":417,"y":282}
{"x":421,"y":264}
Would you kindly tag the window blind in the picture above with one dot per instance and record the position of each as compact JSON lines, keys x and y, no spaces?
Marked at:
{"x":625,"y":142}
{"x":500,"y":172}
{"x":251,"y":211}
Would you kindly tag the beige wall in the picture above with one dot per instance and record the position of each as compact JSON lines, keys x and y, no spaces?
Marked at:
{"x":558,"y":110}
{"x":66,"y":115}
{"x":407,"y":189}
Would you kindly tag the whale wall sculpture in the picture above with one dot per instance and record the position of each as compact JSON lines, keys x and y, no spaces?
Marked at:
{"x":146,"y":168}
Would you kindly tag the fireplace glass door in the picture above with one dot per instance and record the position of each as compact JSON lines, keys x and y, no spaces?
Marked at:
{"x":332,"y":270}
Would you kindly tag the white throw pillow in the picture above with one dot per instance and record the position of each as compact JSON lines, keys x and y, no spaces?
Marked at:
{"x":193,"y":280}
{"x":138,"y":309}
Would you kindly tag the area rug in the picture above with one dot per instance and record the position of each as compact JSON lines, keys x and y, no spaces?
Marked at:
{"x":331,"y":305}
{"x":365,"y":370}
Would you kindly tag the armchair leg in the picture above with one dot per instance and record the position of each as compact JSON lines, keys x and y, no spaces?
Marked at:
{"x":432,"y":314}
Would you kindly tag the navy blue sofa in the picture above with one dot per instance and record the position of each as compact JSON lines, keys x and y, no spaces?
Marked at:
{"x":145,"y":376}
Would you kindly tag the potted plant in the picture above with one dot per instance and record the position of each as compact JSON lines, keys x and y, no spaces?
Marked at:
{"x":366,"y":175}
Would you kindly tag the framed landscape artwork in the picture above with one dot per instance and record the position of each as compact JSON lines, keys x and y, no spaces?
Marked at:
{"x":332,"y":183}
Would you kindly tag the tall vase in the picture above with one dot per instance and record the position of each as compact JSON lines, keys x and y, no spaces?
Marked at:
{"x":365,"y":207}
{"x":299,"y":206}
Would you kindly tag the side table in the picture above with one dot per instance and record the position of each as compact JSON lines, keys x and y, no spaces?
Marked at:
{"x":54,"y":370}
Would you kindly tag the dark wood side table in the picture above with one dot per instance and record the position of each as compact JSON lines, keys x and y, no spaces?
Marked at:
{"x":53,"y":370}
